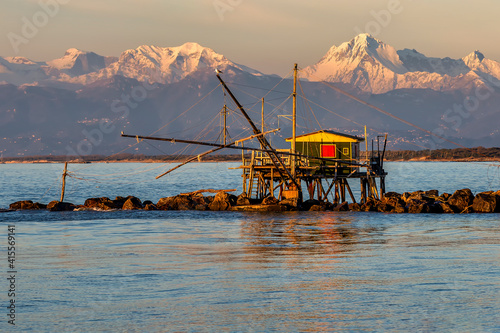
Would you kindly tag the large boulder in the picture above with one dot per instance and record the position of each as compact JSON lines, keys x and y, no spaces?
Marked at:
{"x":165,"y":203}
{"x":243,"y":200}
{"x":222,"y":201}
{"x":306,"y":205}
{"x":132,"y":203}
{"x":179,"y":202}
{"x":102,"y":203}
{"x":415,"y":206}
{"x":270,"y":201}
{"x":461,"y":199}
{"x":371,"y":205}
{"x":355,"y":207}
{"x":58,"y":206}
{"x":486,"y":202}
{"x":342,"y":207}
{"x":27,"y":205}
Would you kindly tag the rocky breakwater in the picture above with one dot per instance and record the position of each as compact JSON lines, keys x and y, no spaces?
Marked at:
{"x":461,"y":201}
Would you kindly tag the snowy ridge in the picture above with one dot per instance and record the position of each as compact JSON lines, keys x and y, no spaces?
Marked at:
{"x":363,"y":62}
{"x":376,"y":67}
{"x":165,"y":64}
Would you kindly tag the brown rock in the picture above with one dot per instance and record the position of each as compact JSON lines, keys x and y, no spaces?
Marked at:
{"x":460,"y":200}
{"x":415,"y":206}
{"x":222,"y":201}
{"x":343,"y":207}
{"x":444,"y":197}
{"x":270,"y":201}
{"x":57,"y":206}
{"x":242,"y":200}
{"x":486,"y":202}
{"x":132,"y":203}
{"x":317,"y":208}
{"x":150,"y":206}
{"x":27,"y":205}
{"x":370,"y":205}
{"x":355,"y":207}
{"x":165,"y":203}
{"x":103,"y":203}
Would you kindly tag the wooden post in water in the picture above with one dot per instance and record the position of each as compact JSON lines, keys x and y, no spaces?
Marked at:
{"x":65,"y":172}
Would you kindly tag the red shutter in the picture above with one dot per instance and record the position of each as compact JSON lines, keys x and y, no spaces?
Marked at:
{"x":328,"y":151}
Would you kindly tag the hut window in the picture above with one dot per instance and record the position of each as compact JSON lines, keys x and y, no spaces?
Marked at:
{"x":345,"y":151}
{"x":328,"y":151}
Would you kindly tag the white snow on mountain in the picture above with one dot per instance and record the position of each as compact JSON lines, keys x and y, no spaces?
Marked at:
{"x":376,"y":67}
{"x":76,"y":62}
{"x":364,"y":62}
{"x":165,"y":64}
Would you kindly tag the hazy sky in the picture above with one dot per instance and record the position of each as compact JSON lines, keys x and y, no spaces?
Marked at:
{"x":268,"y":35}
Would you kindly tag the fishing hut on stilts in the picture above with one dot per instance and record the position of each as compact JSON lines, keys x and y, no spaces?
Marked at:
{"x":322,"y":163}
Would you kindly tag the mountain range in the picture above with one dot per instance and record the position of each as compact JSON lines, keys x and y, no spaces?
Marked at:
{"x":80,"y":102}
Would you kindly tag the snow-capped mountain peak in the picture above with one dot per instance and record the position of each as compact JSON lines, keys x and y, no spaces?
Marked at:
{"x":473,"y":59}
{"x":373,"y":66}
{"x":165,"y":64}
{"x":76,"y":62}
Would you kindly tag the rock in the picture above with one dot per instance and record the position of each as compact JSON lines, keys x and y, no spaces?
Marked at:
{"x":27,"y":205}
{"x":390,"y":195}
{"x":103,"y":203}
{"x":201,"y":207}
{"x":355,"y":207}
{"x":57,"y":206}
{"x":445,"y":208}
{"x":306,"y":205}
{"x":200,"y":202}
{"x":460,"y":200}
{"x":400,"y":209}
{"x":385,"y":207}
{"x":150,"y":206}
{"x":432,"y":193}
{"x":242,"y":200}
{"x":444,"y":197}
{"x":343,"y":207}
{"x":132,"y":203}
{"x":183,"y":202}
{"x":290,"y":203}
{"x":119,"y":201}
{"x":370,"y":205}
{"x":486,"y":202}
{"x":418,"y":195}
{"x":222,"y":201}
{"x":165,"y":203}
{"x":179,"y":202}
{"x":270,"y":201}
{"x":415,"y":206}
{"x":317,"y":208}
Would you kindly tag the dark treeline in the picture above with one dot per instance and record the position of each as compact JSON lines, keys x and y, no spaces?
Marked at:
{"x":476,"y":153}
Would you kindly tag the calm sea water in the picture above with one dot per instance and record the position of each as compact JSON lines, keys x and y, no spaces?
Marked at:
{"x":226,"y":271}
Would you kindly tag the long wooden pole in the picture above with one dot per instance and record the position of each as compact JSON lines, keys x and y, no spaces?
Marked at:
{"x":65,"y":172}
{"x":294,"y":119}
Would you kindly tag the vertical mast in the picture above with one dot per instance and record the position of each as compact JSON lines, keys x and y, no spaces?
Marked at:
{"x":225,"y":120}
{"x":262,"y":119}
{"x":65,"y":172}
{"x":294,"y":119}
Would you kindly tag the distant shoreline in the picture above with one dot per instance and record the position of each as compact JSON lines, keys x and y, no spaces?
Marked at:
{"x":478,"y":154}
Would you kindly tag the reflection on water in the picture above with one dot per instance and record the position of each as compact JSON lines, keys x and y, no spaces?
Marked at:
{"x":227,"y":271}
{"x":295,"y":234}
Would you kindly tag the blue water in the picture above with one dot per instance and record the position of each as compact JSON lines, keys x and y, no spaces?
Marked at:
{"x":167,"y":271}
